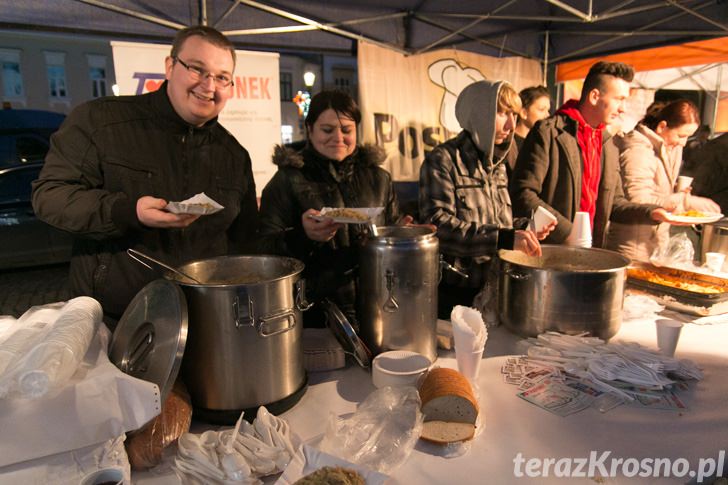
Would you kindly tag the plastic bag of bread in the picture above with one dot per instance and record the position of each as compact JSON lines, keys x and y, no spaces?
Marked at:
{"x":450,"y":409}
{"x":381,"y":433}
{"x":146,"y":445}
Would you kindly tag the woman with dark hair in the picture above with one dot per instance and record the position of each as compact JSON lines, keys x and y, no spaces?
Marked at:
{"x":650,"y":158}
{"x":332,"y":170}
{"x":535,"y":106}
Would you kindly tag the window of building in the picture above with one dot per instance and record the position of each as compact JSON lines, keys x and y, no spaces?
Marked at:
{"x":56,"y":71}
{"x":97,"y":74}
{"x":12,"y":78}
{"x":286,"y":86}
{"x":344,"y":79}
{"x":286,"y":134}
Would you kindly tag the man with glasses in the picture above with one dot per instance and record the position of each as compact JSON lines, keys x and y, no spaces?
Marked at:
{"x":116,"y":162}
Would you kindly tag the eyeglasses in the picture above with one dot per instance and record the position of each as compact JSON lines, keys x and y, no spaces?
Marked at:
{"x":197,"y":73}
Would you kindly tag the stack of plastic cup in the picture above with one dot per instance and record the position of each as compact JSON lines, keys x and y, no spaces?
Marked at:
{"x":581,"y":235}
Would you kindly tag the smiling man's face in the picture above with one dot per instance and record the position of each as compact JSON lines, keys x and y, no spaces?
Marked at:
{"x":197,"y":101}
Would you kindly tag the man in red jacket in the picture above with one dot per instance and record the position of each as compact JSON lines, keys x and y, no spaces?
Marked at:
{"x":569,"y":163}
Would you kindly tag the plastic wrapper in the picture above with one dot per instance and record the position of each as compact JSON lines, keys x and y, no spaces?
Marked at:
{"x":146,"y":445}
{"x":54,"y":358}
{"x":381,"y":433}
{"x":678,"y":251}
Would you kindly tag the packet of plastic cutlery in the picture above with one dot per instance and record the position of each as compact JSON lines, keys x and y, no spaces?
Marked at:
{"x":197,"y":204}
{"x":666,"y":400}
{"x":557,"y":397}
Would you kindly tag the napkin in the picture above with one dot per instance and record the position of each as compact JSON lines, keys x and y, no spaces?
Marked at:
{"x":468,"y":328}
{"x":197,"y":204}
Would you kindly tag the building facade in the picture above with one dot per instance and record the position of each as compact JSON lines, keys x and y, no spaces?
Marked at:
{"x":56,"y":72}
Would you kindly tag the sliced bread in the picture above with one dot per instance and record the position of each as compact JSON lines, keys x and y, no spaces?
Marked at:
{"x":443,"y":432}
{"x":446,"y":395}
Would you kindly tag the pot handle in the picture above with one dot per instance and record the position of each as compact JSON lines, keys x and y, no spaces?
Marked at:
{"x":512,"y":273}
{"x":264,"y":323}
{"x":447,"y":266}
{"x":243,"y":320}
{"x":301,"y":303}
{"x":391,"y":305}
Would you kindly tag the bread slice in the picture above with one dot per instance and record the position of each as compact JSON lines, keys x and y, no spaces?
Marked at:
{"x":443,"y":432}
{"x":446,"y":395}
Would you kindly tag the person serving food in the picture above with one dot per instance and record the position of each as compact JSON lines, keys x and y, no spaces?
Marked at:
{"x":650,"y":159}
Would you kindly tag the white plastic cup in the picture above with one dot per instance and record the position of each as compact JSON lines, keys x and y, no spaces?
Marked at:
{"x":714,"y":261}
{"x":105,"y":475}
{"x":683,"y":182}
{"x":580,"y":231}
{"x":469,"y":363}
{"x":668,"y":333}
{"x":542,"y":218}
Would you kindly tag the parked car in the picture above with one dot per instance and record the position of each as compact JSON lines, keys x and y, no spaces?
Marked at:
{"x":24,"y":142}
{"x":25,"y":135}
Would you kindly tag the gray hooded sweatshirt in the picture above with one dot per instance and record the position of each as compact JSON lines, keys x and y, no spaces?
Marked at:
{"x":464,"y":187}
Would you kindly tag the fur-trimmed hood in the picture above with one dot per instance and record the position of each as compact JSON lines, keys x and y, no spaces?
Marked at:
{"x":288,"y":157}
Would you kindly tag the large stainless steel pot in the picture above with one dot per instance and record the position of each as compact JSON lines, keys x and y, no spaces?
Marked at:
{"x":244,"y":344}
{"x":714,"y":238}
{"x":397,"y":295}
{"x":567,"y":289}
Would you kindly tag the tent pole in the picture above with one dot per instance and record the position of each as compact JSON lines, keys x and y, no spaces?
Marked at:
{"x":545,"y":58}
{"x":203,"y":12}
{"x":719,"y":81}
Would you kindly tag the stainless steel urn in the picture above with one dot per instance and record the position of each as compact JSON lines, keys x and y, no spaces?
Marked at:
{"x":397,"y":294}
{"x":714,"y":238}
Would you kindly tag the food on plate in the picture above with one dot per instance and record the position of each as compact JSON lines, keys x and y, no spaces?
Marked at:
{"x":203,"y":206}
{"x":675,"y":282}
{"x":449,"y":406}
{"x":346,"y":213}
{"x":691,"y":213}
{"x":332,"y":475}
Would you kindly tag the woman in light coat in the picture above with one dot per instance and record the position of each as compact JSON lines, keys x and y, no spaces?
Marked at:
{"x":650,"y":159}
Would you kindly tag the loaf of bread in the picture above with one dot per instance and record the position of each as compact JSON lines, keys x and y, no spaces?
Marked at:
{"x":449,"y":406}
{"x":146,"y":445}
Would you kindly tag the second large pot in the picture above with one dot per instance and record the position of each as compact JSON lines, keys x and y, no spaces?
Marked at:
{"x":397,"y":295}
{"x":244,"y":345}
{"x":568,"y":289}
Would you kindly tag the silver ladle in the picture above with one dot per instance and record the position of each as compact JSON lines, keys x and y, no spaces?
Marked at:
{"x":134,"y":254}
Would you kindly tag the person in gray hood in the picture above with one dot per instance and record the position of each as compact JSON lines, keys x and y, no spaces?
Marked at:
{"x":464,"y":192}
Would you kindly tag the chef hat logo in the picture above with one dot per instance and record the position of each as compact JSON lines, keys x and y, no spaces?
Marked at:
{"x":453,"y":78}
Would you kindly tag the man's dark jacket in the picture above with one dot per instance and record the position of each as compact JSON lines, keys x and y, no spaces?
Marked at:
{"x":548,"y":173}
{"x":110,"y":152}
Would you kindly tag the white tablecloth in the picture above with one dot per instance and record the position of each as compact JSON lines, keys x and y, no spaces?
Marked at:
{"x":514,"y":426}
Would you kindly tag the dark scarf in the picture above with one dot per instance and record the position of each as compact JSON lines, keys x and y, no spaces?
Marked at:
{"x":340,"y":170}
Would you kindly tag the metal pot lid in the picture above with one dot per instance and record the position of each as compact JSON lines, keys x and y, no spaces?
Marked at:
{"x":345,"y":334}
{"x":150,"y":338}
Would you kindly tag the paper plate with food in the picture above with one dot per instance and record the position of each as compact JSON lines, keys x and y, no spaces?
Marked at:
{"x":197,"y":204}
{"x":695,"y":217}
{"x":349,"y":215}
